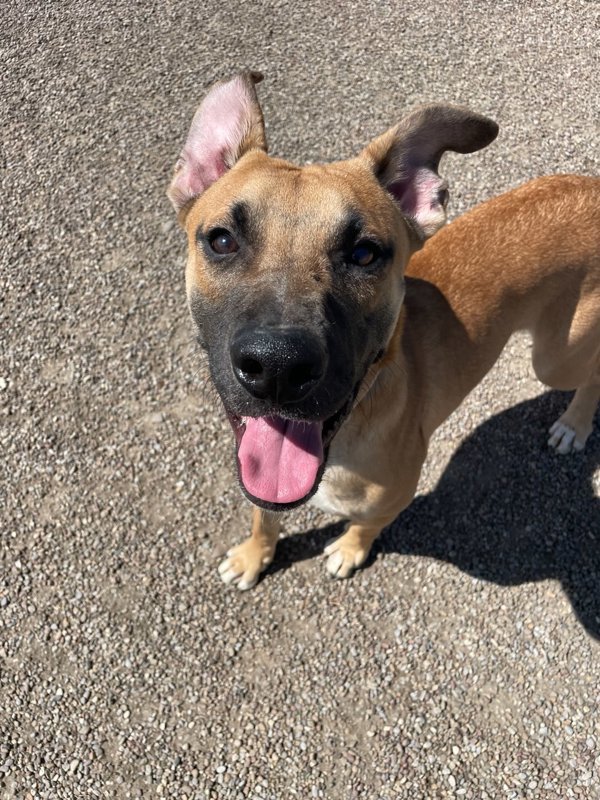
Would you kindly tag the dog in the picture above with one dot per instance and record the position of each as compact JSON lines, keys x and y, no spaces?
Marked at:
{"x":338,"y":340}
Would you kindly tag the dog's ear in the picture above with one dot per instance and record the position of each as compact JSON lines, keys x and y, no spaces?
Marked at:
{"x":228,"y":123}
{"x":405,"y":159}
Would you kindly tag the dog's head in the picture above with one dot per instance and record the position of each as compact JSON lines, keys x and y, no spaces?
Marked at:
{"x":295,"y":274}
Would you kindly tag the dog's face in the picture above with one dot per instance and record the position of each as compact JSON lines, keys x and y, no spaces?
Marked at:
{"x":295,"y":274}
{"x":295,"y":284}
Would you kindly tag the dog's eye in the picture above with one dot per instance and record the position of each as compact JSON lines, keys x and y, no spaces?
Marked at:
{"x":364,"y":253}
{"x":222,"y":242}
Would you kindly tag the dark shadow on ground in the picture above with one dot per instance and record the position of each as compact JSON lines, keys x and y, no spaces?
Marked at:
{"x":507,"y":510}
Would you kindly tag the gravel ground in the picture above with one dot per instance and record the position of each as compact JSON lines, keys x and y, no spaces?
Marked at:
{"x":463,"y":661}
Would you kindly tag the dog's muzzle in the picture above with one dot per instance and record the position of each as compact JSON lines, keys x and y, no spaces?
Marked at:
{"x":280,"y":445}
{"x":282,"y":366}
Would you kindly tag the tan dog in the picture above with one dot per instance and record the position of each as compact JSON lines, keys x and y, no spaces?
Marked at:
{"x":333,"y":368}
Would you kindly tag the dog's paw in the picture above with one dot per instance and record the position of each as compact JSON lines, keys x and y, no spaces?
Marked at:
{"x":344,"y":557}
{"x":244,"y":564}
{"x":565,"y":439}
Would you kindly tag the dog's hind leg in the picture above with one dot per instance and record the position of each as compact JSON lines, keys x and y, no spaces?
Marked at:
{"x":245,"y":562}
{"x":566,"y":355}
{"x":571,"y":430}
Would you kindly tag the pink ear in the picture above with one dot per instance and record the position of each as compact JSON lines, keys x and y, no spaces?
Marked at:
{"x":422,"y":196}
{"x":228,"y":123}
{"x":406,"y":158}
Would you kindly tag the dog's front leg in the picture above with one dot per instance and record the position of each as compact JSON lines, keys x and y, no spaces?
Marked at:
{"x":377,"y":505}
{"x":352,"y":548}
{"x":245,"y":562}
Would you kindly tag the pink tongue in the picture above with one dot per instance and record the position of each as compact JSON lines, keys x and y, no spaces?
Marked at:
{"x":279,"y":458}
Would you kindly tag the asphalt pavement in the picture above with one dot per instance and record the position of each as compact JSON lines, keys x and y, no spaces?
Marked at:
{"x":463,"y":661}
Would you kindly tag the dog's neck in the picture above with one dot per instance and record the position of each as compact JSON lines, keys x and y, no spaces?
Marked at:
{"x":431,"y":337}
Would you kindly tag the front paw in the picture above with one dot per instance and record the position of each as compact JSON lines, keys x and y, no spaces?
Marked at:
{"x":244,"y":564}
{"x":345,"y":556}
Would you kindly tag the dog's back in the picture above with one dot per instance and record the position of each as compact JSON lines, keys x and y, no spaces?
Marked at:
{"x":528,"y":259}
{"x":516,"y":241}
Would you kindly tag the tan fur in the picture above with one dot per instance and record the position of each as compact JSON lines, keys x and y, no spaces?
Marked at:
{"x":298,"y":207}
{"x":529,"y":259}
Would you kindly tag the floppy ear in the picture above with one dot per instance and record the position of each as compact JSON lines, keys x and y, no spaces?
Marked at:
{"x":405,"y":159}
{"x":228,"y":124}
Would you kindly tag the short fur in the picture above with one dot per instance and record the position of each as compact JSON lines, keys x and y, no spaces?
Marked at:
{"x":402,"y":352}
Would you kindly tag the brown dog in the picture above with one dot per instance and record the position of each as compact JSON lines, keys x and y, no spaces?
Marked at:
{"x":333,"y":368}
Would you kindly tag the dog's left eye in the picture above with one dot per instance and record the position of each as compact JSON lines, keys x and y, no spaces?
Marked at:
{"x":364,"y":253}
{"x":222,"y":242}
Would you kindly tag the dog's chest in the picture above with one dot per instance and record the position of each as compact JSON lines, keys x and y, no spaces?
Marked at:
{"x":328,"y":497}
{"x":341,"y":492}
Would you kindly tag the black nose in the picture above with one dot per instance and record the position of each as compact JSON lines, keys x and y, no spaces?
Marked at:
{"x":283,"y":365}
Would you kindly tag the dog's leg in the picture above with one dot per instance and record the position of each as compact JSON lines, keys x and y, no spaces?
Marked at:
{"x":565,"y":355}
{"x":245,"y":562}
{"x":571,"y":430}
{"x":352,"y":548}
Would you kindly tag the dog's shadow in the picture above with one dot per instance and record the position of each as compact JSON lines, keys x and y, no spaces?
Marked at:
{"x":507,"y":509}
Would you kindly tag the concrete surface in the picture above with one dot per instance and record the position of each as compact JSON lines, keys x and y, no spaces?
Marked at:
{"x":463,"y":662}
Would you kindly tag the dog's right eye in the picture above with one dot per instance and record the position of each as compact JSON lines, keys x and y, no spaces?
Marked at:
{"x":364,"y":253}
{"x":222,"y":242}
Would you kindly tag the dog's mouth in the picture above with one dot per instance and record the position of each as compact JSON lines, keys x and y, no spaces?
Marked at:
{"x":280,"y":460}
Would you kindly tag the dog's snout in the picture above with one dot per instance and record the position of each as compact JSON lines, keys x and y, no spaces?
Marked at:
{"x":282,"y":365}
